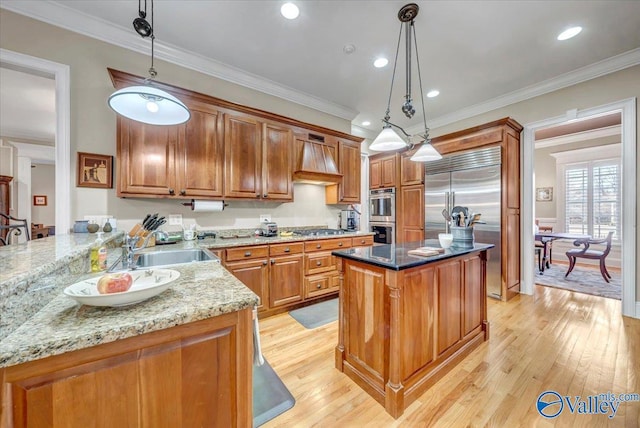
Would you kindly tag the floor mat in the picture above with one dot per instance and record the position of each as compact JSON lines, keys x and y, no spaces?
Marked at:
{"x":270,"y":396}
{"x":582,"y":280}
{"x":317,"y":315}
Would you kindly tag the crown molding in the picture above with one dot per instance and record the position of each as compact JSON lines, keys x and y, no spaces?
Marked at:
{"x":62,"y":16}
{"x":11,"y":134}
{"x":579,"y":136}
{"x":610,"y":65}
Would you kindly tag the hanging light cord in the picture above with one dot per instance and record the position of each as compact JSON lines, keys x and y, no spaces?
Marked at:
{"x":424,"y":114}
{"x":387,"y":115}
{"x":152,"y":71}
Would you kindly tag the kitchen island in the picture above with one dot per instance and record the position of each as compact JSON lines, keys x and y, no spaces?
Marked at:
{"x":182,"y":358}
{"x":406,"y":320}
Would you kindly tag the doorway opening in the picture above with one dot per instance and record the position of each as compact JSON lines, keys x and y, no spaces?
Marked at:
{"x":627,"y":110}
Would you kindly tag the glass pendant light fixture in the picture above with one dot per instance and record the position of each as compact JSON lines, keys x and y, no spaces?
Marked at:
{"x":388,"y":139}
{"x":146,"y":103}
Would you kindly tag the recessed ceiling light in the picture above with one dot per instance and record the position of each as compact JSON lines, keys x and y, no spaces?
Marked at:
{"x":349,"y":49}
{"x":380,"y":62}
{"x":366,"y":123}
{"x":290,"y":11}
{"x":569,"y":33}
{"x":433,"y":93}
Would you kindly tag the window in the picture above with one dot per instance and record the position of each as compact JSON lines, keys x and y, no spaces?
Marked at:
{"x":592,"y":198}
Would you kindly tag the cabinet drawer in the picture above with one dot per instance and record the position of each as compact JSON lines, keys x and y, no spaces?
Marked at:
{"x":318,"y":262}
{"x":363,"y":241}
{"x":327,"y":244}
{"x":321,"y":284}
{"x":286,"y":249}
{"x":243,"y":253}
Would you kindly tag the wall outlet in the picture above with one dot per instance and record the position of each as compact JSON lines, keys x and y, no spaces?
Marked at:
{"x":175,"y":219}
{"x":265,"y":218}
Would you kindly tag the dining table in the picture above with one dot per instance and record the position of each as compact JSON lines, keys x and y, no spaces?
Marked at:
{"x":547,"y":237}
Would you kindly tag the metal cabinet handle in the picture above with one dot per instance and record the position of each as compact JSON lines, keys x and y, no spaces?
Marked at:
{"x":319,"y":286}
{"x":264,"y":195}
{"x":247,"y":253}
{"x":273,"y":262}
{"x":340,"y":244}
{"x":318,"y":246}
{"x":264,"y":263}
{"x":286,"y":250}
{"x":257,"y":195}
{"x":171,"y":191}
{"x":183,"y":192}
{"x":318,"y":263}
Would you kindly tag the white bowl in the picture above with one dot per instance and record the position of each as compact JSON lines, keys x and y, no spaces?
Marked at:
{"x":445,"y":239}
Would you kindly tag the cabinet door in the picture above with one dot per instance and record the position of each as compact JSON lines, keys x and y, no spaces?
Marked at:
{"x":449,"y":305}
{"x":147,"y":158}
{"x":411,"y":235}
{"x":473,"y":294}
{"x":255,"y":275}
{"x":277,"y":144}
{"x":286,"y":280}
{"x":349,"y":164}
{"x":388,"y":172}
{"x":410,"y":213}
{"x":375,"y":174}
{"x":242,"y":157}
{"x":201,"y":153}
{"x":411,"y":172}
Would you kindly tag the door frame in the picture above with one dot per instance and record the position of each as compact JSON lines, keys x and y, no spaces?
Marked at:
{"x":62,"y":77}
{"x":627,"y":107}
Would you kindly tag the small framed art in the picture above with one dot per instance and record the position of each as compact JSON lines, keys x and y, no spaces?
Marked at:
{"x":95,"y":170}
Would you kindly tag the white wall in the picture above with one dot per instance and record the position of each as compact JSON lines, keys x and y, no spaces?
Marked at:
{"x":43,"y":182}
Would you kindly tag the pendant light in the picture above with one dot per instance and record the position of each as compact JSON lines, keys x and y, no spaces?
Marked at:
{"x":146,"y":103}
{"x":388,"y":139}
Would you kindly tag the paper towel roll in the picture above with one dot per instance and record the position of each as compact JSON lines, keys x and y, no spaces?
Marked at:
{"x":207,"y":206}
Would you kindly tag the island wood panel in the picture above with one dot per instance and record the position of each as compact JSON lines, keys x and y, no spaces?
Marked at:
{"x":147,"y":158}
{"x":418,"y":350}
{"x":449,"y":280}
{"x":366,"y":338}
{"x":285,"y":280}
{"x":277,"y":162}
{"x":473,"y":294}
{"x":243,"y":161}
{"x":196,"y":374}
{"x":201,"y":153}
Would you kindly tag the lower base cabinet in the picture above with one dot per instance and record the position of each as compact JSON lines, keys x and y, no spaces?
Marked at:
{"x":285,"y":280}
{"x":194,"y":375}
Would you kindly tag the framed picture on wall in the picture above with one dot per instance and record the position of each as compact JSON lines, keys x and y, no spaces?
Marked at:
{"x":544,"y":194}
{"x":39,"y":200}
{"x":95,"y":170}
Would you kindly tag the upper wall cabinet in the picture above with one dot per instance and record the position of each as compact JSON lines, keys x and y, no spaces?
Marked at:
{"x":182,"y":161}
{"x":383,"y":171}
{"x":257,"y":159}
{"x":349,"y":165}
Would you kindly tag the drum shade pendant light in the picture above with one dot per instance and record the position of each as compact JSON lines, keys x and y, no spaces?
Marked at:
{"x":389,"y":139}
{"x":146,"y":103}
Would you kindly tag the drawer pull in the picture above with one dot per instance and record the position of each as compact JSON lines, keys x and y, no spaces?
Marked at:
{"x":319,"y":286}
{"x":363,"y":241}
{"x":247,"y":253}
{"x":318,"y":246}
{"x":287,"y":250}
{"x":340,"y":244}
{"x":183,"y":192}
{"x":171,"y":191}
{"x":264,"y":263}
{"x":273,"y":262}
{"x":318,"y":263}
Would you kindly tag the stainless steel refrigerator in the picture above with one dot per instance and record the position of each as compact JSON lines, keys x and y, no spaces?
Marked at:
{"x":470,"y":180}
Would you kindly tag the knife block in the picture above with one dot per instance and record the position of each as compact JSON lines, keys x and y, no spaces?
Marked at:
{"x":138,"y":230}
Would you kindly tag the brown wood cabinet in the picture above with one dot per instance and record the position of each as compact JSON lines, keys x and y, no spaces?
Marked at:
{"x":251,"y":266}
{"x":411,"y":173}
{"x":383,"y":170}
{"x":349,"y":165}
{"x":277,"y":162}
{"x":285,"y":274}
{"x":401,"y":331}
{"x":182,"y":161}
{"x":410,"y":213}
{"x":506,"y":134}
{"x":5,"y":198}
{"x":196,"y":374}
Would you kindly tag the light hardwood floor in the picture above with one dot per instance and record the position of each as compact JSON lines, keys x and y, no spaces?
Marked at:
{"x":571,"y":343}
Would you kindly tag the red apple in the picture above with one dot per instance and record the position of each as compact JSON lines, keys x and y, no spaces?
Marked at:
{"x":114,"y":283}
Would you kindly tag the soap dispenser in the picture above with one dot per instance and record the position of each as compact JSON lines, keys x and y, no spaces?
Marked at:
{"x":98,"y":255}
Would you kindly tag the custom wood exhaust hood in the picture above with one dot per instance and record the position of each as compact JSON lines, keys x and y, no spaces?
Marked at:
{"x":316,"y":161}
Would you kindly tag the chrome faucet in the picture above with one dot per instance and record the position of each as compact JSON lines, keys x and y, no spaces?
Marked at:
{"x":130,"y":249}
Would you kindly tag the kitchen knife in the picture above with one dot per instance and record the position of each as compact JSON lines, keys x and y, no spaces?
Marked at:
{"x":146,"y":218}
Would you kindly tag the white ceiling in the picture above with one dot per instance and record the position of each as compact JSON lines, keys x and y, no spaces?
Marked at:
{"x":480,"y":54}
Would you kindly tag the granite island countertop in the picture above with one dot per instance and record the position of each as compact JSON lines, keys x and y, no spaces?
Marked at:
{"x":395,"y":256}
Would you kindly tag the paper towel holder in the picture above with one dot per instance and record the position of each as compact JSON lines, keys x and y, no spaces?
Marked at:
{"x":192,"y":204}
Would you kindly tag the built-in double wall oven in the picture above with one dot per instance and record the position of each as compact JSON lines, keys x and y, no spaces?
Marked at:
{"x":382,"y":215}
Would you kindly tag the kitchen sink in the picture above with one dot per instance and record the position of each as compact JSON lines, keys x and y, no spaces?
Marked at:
{"x":173,"y":257}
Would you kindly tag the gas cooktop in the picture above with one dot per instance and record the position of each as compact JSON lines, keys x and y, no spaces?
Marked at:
{"x":319,"y":232}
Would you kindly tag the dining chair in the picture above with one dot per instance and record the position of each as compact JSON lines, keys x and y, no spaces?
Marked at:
{"x":540,"y":245}
{"x":587,"y":253}
{"x":15,"y":226}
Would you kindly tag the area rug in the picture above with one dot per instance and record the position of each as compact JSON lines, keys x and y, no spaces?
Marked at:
{"x":582,"y":280}
{"x":314,"y":316}
{"x":270,"y":396}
